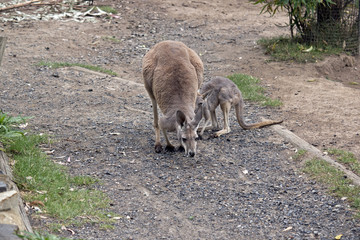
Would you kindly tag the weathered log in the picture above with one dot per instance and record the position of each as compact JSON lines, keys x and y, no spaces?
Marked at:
{"x":2,"y":47}
{"x":12,"y":207}
{"x":19,"y":5}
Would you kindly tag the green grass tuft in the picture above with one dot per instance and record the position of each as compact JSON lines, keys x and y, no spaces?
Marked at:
{"x":334,"y":178}
{"x":65,"y":64}
{"x":111,"y":39}
{"x":108,"y":9}
{"x":250,"y":89}
{"x":346,"y":158}
{"x":299,"y":154}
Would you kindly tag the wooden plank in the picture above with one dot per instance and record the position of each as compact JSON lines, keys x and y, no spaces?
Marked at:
{"x":2,"y":47}
{"x":19,"y":209}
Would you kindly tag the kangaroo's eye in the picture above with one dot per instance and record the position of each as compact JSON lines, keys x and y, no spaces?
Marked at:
{"x":184,"y":139}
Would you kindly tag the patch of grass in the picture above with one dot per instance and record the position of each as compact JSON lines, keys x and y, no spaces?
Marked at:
{"x":337,"y":183}
{"x":112,"y":39}
{"x":346,"y":158}
{"x":63,"y":196}
{"x":287,"y":49}
{"x":71,"y":200}
{"x":251,"y":90}
{"x":66,"y":64}
{"x":108,"y":9}
{"x":299,"y":154}
{"x":40,"y":236}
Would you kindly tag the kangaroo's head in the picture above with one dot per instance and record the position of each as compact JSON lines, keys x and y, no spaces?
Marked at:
{"x":186,"y":131}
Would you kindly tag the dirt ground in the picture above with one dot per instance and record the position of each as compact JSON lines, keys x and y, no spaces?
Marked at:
{"x":105,"y":123}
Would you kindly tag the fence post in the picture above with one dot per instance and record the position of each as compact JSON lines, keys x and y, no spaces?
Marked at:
{"x":2,"y":47}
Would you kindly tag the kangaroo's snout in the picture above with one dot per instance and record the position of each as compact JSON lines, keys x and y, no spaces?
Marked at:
{"x":191,"y":154}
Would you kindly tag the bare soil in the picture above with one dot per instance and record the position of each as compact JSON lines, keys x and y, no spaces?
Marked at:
{"x":240,"y":186}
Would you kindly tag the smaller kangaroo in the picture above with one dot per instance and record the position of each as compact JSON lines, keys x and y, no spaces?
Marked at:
{"x":222,"y":91}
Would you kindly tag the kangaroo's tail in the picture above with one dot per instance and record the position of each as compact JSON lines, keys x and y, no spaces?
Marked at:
{"x":240,"y":118}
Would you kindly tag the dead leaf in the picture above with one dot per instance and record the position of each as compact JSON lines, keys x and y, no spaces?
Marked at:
{"x":287,"y":229}
{"x":338,"y":236}
{"x":37,"y":203}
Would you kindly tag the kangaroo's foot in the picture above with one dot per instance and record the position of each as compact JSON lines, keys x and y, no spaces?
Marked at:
{"x":170,"y":148}
{"x":221,"y":132}
{"x":158,"y":148}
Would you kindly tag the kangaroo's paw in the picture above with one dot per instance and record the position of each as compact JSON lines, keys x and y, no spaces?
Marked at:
{"x":158,"y":148}
{"x":181,"y":149}
{"x":170,"y":148}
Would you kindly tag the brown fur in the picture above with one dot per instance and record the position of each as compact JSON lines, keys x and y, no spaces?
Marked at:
{"x":172,"y":74}
{"x":222,"y":91}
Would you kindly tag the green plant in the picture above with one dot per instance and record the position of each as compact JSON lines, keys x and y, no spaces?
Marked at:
{"x":299,"y":154}
{"x":71,"y":200}
{"x":49,"y":183}
{"x":301,"y":13}
{"x":251,"y":90}
{"x":65,"y":64}
{"x":7,"y":124}
{"x":288,"y":49}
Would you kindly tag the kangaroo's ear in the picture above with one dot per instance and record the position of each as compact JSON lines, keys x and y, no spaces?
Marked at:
{"x":180,"y":118}
{"x":198,"y":116}
{"x":207,"y":93}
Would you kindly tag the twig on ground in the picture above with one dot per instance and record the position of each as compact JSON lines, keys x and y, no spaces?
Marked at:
{"x":32,"y":2}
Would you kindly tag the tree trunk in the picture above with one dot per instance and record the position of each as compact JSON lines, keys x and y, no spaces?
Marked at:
{"x":331,"y":13}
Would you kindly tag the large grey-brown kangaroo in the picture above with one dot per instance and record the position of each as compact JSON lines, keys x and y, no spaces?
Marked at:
{"x":173,"y":74}
{"x":222,"y":91}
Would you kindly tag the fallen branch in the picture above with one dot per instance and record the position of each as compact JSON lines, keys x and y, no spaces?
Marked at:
{"x":19,"y":5}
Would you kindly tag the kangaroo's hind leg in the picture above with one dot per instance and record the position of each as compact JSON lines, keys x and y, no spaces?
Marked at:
{"x":225,"y":107}
{"x":207,"y":117}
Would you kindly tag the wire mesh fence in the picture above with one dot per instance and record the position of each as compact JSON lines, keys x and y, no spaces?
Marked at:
{"x":337,"y":25}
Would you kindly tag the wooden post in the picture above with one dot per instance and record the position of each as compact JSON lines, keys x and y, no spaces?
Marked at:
{"x":2,"y":47}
